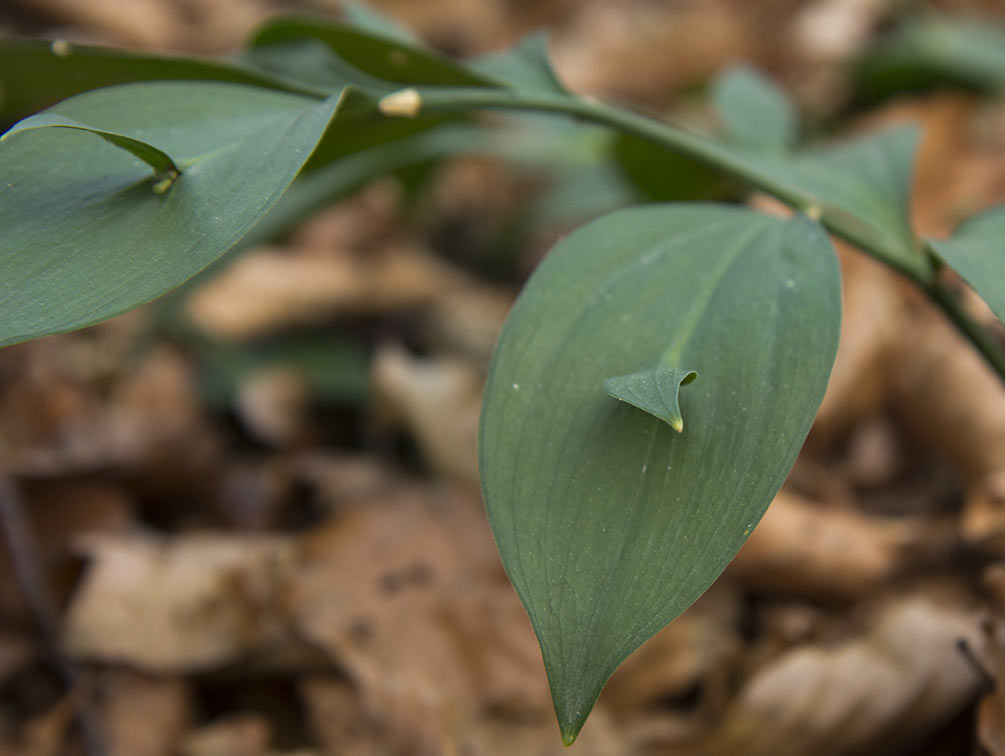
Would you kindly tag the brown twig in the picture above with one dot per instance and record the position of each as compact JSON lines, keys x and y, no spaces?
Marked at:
{"x":28,"y":572}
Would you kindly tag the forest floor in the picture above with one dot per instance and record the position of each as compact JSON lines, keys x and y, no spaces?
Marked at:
{"x":247,"y":522}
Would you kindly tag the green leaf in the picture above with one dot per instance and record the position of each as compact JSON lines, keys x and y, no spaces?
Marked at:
{"x":756,"y":113}
{"x":608,"y":522}
{"x":35,"y":74}
{"x":159,"y":160}
{"x":375,"y":54}
{"x":664,"y":176}
{"x":525,"y":67}
{"x":311,"y":63}
{"x":932,"y":51}
{"x":655,"y":391}
{"x":367,"y":18}
{"x":89,"y":233}
{"x":977,"y":252}
{"x":867,"y":181}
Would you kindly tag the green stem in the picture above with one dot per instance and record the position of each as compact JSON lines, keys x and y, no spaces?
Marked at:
{"x":680,"y":141}
{"x":920,"y":271}
{"x":982,"y":341}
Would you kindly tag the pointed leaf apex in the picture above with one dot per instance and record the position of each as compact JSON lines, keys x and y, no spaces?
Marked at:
{"x":569,"y":737}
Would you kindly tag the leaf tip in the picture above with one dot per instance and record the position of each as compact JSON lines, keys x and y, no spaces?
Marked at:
{"x":405,"y":103}
{"x":569,"y":737}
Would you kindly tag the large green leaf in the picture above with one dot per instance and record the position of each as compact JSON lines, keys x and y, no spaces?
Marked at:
{"x":35,"y":74}
{"x":91,"y":231}
{"x":866,"y":181}
{"x":977,"y":252}
{"x":755,"y":112}
{"x":609,"y":522}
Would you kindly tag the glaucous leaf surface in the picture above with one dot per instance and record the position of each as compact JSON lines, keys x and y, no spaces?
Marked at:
{"x":90,"y":231}
{"x":609,"y":522}
{"x":977,"y":252}
{"x":755,"y":112}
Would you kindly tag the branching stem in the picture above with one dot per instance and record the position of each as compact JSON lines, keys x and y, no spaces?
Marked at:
{"x":918,"y":269}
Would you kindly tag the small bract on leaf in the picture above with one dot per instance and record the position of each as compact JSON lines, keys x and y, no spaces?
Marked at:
{"x":654,"y":391}
{"x":608,"y":521}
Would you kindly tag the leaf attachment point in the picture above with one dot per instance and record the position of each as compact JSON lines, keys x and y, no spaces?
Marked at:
{"x":655,"y":391}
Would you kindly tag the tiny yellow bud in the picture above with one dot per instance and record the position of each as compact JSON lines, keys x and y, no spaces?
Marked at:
{"x":403,"y":104}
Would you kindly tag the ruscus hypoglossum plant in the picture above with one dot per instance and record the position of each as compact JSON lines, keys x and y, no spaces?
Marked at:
{"x":657,"y":376}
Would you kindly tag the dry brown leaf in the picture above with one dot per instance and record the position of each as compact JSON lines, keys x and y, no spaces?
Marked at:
{"x":467,"y":321}
{"x":439,"y":400}
{"x":339,"y":480}
{"x":959,"y":169}
{"x":991,"y":709}
{"x":366,"y":220}
{"x":58,"y":511}
{"x":142,"y":716}
{"x":146,"y":23}
{"x":46,"y":734}
{"x":57,"y":425}
{"x":834,"y":30}
{"x":339,"y":720}
{"x":873,"y":312}
{"x":808,"y":549}
{"x":274,"y":405}
{"x":643,"y":51}
{"x":410,"y":600}
{"x":16,"y":652}
{"x":464,"y":26}
{"x":206,"y":25}
{"x":952,"y":401}
{"x":694,"y":652}
{"x":239,"y":736}
{"x":184,"y":604}
{"x":873,"y":694}
{"x":269,"y":289}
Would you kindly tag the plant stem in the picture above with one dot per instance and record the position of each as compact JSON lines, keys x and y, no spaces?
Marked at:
{"x":918,"y":269}
{"x":680,"y":141}
{"x":982,"y":341}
